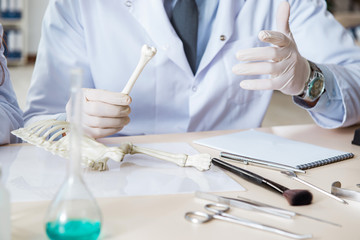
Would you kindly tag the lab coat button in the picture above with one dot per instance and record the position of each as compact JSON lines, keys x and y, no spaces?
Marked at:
{"x":222,"y":37}
{"x":165,"y":47}
{"x":194,"y":88}
{"x":128,"y":3}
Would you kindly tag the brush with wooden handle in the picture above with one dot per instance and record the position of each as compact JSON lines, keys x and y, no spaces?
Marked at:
{"x":295,"y":197}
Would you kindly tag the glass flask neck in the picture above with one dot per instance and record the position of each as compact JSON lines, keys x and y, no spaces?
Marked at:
{"x":76,"y":132}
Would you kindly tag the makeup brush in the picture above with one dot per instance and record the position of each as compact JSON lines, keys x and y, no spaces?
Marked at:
{"x":295,"y":197}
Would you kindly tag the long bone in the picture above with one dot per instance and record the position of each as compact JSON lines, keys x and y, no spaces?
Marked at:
{"x":95,"y":155}
{"x":146,"y":54}
{"x":199,"y":161}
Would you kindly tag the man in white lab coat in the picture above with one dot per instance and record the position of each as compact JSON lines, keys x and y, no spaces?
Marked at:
{"x":10,"y":113}
{"x":104,"y":38}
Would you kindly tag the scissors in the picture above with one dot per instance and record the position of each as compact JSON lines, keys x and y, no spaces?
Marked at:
{"x":220,"y":210}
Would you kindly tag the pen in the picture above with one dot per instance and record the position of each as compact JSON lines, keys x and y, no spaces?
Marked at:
{"x":247,"y":160}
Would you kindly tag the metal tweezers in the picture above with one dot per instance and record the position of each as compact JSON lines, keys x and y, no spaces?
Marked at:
{"x":252,"y":205}
{"x":244,"y":204}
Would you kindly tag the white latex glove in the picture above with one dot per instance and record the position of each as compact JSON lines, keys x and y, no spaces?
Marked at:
{"x":105,"y":112}
{"x":289,"y":71}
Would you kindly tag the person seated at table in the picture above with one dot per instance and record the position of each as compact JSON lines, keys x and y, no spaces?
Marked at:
{"x":10,"y":113}
{"x":192,"y":83}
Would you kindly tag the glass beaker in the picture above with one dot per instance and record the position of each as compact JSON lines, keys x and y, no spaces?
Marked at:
{"x":74,"y":213}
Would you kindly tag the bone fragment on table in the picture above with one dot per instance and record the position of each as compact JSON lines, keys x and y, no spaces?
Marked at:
{"x":95,"y":155}
{"x":146,"y":54}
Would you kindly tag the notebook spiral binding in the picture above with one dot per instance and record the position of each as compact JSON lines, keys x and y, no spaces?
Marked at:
{"x":325,"y":161}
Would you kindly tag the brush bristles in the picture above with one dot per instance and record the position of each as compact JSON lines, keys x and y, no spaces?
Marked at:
{"x":298,"y":197}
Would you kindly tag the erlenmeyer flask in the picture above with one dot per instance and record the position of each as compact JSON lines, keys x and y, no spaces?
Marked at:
{"x":74,"y":213}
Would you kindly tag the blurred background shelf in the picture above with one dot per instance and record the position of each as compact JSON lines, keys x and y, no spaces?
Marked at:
{"x":13,"y":17}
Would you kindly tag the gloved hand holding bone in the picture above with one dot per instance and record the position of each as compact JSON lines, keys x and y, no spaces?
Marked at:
{"x":105,"y":112}
{"x":289,"y":71}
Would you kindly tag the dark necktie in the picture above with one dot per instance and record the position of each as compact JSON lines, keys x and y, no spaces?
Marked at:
{"x":185,"y":22}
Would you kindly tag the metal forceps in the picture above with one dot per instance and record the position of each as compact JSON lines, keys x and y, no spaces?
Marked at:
{"x":219,"y":212}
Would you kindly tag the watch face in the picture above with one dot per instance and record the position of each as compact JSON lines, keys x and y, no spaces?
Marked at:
{"x":316,"y":88}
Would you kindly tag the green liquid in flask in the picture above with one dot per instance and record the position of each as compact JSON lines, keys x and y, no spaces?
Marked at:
{"x":75,"y":229}
{"x":73,"y":213}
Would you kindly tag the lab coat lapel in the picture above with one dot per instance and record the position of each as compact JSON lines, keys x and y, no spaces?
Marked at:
{"x":152,"y":16}
{"x":223,"y":25}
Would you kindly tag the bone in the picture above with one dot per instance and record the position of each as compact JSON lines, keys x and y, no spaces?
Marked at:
{"x":95,"y":155}
{"x":146,"y":54}
{"x":201,"y":162}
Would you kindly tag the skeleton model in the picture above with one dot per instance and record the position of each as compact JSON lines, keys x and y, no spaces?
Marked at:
{"x":54,"y":136}
{"x":95,"y":155}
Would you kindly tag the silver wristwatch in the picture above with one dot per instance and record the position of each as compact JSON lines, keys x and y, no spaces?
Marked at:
{"x":315,"y":85}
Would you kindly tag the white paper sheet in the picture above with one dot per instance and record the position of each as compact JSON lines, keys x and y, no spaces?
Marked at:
{"x":33,"y":174}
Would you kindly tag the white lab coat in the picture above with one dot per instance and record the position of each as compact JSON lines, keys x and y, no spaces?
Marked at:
{"x":10,"y":113}
{"x":105,"y":37}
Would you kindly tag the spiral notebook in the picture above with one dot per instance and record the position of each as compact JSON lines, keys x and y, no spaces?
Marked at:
{"x":276,"y":149}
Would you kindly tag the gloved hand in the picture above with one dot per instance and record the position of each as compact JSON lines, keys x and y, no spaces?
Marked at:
{"x":105,"y":112}
{"x":288,"y":69}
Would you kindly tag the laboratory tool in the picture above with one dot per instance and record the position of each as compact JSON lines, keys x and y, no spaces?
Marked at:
{"x":247,"y":160}
{"x":295,"y":177}
{"x":342,"y":192}
{"x":295,"y":197}
{"x":219,"y":212}
{"x":252,"y":205}
{"x":74,"y":213}
{"x":233,"y":202}
{"x":285,"y":211}
{"x":95,"y":154}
